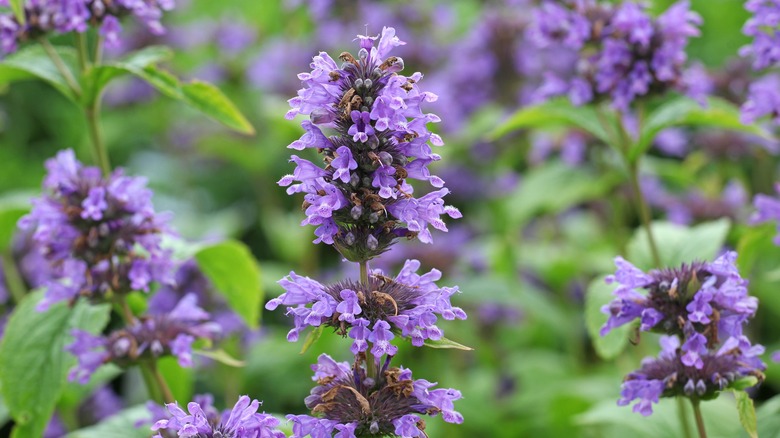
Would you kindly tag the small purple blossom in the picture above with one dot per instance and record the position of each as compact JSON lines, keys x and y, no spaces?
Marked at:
{"x":203,"y":421}
{"x":351,"y":404}
{"x":767,"y":210}
{"x":151,"y":336}
{"x":90,"y":230}
{"x":409,"y":304}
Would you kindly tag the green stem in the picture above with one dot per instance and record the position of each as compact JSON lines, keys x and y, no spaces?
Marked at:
{"x":98,"y":146}
{"x":699,"y":419}
{"x":81,"y":46}
{"x":61,"y":67}
{"x":371,"y":370}
{"x":13,"y":278}
{"x":167,"y":395}
{"x":683,"y":414}
{"x":644,"y":211}
{"x":99,"y":50}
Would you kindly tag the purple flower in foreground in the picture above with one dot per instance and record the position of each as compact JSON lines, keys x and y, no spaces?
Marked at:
{"x":64,"y":16}
{"x":709,"y":296}
{"x":670,"y":375}
{"x":151,"y":337}
{"x":762,"y":26}
{"x":203,"y":421}
{"x":99,"y":234}
{"x":409,"y":304}
{"x":350,"y":404}
{"x":634,"y":53}
{"x":361,"y":202}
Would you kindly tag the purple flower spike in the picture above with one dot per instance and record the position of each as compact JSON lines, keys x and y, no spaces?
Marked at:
{"x":381,"y":141}
{"x":90,"y":230}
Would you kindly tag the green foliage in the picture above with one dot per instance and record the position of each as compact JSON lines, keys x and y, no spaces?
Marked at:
{"x":17,"y":6}
{"x":220,"y":356}
{"x":747,"y":413}
{"x":120,"y":425}
{"x":34,"y":63}
{"x":235,"y":274}
{"x":32,"y":356}
{"x":446,"y":344}
{"x":556,"y":113}
{"x":598,"y":294}
{"x":678,"y":244}
{"x":12,"y":207}
{"x":97,"y":78}
{"x":312,"y":338}
{"x":682,"y":111}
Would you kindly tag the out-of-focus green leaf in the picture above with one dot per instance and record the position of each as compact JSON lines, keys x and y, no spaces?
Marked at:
{"x":32,"y":356}
{"x":120,"y":425}
{"x":678,"y":244}
{"x":99,"y":77}
{"x":446,"y":344}
{"x":557,"y":112}
{"x":200,"y":95}
{"x":235,"y":274}
{"x":683,"y":111}
{"x":743,"y":383}
{"x":33,"y":63}
{"x":17,"y":6}
{"x":180,"y":380}
{"x":221,"y":356}
{"x":610,"y":346}
{"x":311,"y":338}
{"x":747,"y":413}
{"x":756,"y":242}
{"x":12,"y":207}
{"x":570,"y":186}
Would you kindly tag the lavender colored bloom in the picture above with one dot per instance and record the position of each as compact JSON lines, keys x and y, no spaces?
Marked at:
{"x":762,"y":26}
{"x":635,"y":53}
{"x":99,"y":234}
{"x":674,"y":374}
{"x":767,"y":209}
{"x":361,"y":201}
{"x":64,"y":16}
{"x":203,"y":421}
{"x":679,"y":297}
{"x":152,"y":336}
{"x":763,"y":100}
{"x":410,"y":304}
{"x":352,"y":404}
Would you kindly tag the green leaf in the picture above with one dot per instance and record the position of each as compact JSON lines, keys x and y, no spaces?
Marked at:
{"x":235,"y":274}
{"x":610,"y":346}
{"x":683,"y":111}
{"x":221,"y":356}
{"x":311,"y":338}
{"x":200,"y":95}
{"x":180,"y":380}
{"x":12,"y":207}
{"x":99,"y":77}
{"x":747,"y":413}
{"x":209,"y":100}
{"x":743,"y":383}
{"x":571,"y":185}
{"x":557,"y":112}
{"x":33,"y":363}
{"x":32,"y":62}
{"x":17,"y":6}
{"x":446,"y":344}
{"x":678,"y":244}
{"x":754,"y":244}
{"x":119,"y":425}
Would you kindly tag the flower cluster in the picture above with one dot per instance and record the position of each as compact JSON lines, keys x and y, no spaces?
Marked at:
{"x":63,"y":16}
{"x":352,"y":404}
{"x":203,"y":421}
{"x":408,"y":304}
{"x":151,"y":337}
{"x":361,"y":201}
{"x":702,"y":308}
{"x":672,"y":373}
{"x":625,"y":53}
{"x":762,"y":27}
{"x":99,"y":234}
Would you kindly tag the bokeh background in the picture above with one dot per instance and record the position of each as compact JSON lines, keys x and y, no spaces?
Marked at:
{"x":545,"y":211}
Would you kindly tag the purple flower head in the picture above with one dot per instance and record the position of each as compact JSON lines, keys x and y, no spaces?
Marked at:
{"x":710,"y":297}
{"x":763,"y":100}
{"x":203,"y":421}
{"x":762,"y":27}
{"x":64,"y":16}
{"x":409,"y":304}
{"x":674,"y":374}
{"x":151,"y":336}
{"x":361,"y":201}
{"x":98,"y":234}
{"x":635,"y":54}
{"x":349,"y":404}
{"x":767,"y":209}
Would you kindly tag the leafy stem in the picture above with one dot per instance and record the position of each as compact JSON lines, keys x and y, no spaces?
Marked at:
{"x":61,"y":67}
